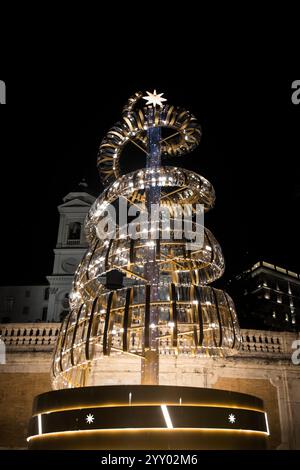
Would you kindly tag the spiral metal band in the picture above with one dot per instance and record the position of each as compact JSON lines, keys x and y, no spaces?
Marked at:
{"x":132,"y":102}
{"x":179,"y":186}
{"x":175,"y":262}
{"x":133,"y":127}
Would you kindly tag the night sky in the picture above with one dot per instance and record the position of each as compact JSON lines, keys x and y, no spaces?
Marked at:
{"x":249,"y":151}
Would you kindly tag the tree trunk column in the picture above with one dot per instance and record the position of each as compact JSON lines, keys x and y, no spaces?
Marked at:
{"x":150,"y":361}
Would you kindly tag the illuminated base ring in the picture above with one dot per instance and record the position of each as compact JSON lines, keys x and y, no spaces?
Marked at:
{"x":147,"y":417}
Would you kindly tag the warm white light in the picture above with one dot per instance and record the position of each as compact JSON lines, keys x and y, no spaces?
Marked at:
{"x":154,"y":98}
{"x":167,"y":416}
{"x":40,"y":430}
{"x":89,"y":418}
{"x":267,"y":424}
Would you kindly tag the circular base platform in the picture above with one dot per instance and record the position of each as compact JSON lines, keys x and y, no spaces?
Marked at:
{"x":147,"y":417}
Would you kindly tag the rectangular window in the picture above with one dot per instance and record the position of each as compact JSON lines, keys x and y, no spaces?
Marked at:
{"x":27,"y":294}
{"x":46,"y":294}
{"x":9,"y":304}
{"x":44,"y":315}
{"x":74,"y":231}
{"x":25,"y":310}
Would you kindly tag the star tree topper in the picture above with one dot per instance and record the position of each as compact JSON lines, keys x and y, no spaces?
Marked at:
{"x":154,"y":98}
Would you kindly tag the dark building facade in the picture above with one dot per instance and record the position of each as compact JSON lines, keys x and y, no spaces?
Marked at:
{"x":267,"y":297}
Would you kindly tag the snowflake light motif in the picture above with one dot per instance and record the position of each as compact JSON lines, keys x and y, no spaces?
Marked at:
{"x":89,"y":418}
{"x":232,"y":418}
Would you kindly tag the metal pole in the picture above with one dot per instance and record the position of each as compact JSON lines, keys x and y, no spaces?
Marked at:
{"x":150,"y":362}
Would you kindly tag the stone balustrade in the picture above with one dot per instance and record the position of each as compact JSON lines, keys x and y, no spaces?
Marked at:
{"x":42,"y":337}
{"x":29,"y":336}
{"x":259,"y":342}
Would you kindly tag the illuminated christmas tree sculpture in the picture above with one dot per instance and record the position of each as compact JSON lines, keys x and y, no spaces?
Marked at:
{"x":163,"y":305}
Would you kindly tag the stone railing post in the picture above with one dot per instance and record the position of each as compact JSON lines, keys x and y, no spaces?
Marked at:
{"x":27,"y":336}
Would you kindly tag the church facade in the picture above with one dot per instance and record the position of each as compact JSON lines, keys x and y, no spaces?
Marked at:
{"x":49,"y":302}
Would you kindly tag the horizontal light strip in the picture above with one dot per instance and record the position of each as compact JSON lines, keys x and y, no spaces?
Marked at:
{"x":125,"y":405}
{"x":147,"y":429}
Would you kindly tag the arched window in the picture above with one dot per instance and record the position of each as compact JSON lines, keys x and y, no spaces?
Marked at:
{"x":74,"y":231}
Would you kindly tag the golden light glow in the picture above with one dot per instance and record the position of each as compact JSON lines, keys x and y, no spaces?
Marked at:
{"x":215,"y":430}
{"x":124,"y":405}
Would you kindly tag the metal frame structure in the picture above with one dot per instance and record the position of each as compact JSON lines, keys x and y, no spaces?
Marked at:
{"x":169,"y":307}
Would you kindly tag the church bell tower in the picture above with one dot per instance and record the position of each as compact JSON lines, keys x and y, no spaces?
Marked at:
{"x":70,"y":248}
